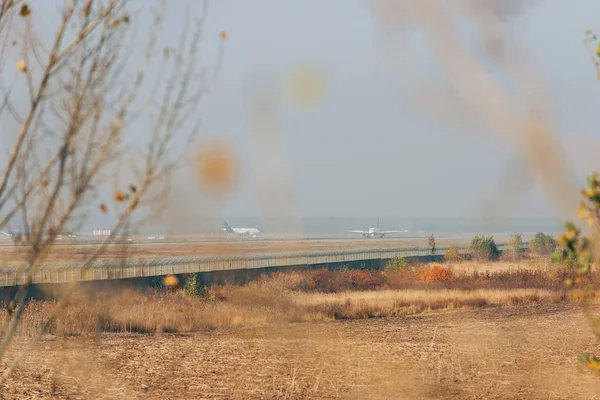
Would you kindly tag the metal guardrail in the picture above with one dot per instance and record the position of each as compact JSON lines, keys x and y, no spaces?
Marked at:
{"x":15,"y":275}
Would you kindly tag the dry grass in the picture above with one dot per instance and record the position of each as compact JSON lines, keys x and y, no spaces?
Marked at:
{"x":390,"y":303}
{"x":317,"y":295}
{"x":533,"y":263}
{"x":256,"y":304}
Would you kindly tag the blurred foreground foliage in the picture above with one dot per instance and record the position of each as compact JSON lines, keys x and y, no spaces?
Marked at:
{"x":576,"y":254}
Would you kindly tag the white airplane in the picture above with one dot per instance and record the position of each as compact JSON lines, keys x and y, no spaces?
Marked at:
{"x":374,"y":232}
{"x":241,"y":231}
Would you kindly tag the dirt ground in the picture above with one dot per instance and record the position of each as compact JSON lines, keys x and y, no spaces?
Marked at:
{"x":517,"y":352}
{"x":165,"y":250}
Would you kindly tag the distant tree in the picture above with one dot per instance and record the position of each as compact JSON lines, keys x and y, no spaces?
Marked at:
{"x":452,"y":255}
{"x":431,"y":242}
{"x":514,"y":250}
{"x":484,"y":248}
{"x":396,"y":264}
{"x":542,"y":244}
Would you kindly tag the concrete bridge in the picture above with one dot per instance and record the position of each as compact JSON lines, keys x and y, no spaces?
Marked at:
{"x":216,"y":268}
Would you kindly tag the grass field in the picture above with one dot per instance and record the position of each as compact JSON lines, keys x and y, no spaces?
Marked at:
{"x":480,"y":332}
{"x":69,"y":253}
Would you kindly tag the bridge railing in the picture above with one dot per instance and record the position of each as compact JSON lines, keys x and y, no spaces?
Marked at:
{"x":14,"y":275}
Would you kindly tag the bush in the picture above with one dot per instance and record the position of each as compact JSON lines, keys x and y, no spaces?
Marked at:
{"x":452,"y":255}
{"x":484,"y":248}
{"x":562,"y":259}
{"x":435,"y":274}
{"x":514,"y":249}
{"x":542,"y":244}
{"x":194,"y":289}
{"x":364,"y":280}
{"x":396,"y":264}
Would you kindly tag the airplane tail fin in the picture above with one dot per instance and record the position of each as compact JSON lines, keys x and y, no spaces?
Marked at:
{"x":378,"y":222}
{"x":227,"y":227}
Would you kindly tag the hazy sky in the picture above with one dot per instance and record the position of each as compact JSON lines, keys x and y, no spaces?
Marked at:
{"x":364,"y":151}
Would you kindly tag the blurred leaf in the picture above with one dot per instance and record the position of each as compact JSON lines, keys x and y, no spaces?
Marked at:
{"x":223,"y":35}
{"x":21,"y":66}
{"x":119,"y":196}
{"x":582,"y":212}
{"x":103,"y":208}
{"x":25,"y":11}
{"x":133,"y":188}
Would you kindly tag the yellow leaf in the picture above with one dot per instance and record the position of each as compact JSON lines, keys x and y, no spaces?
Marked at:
{"x":21,"y":66}
{"x":562,"y":240}
{"x":306,"y":87}
{"x":568,"y":282}
{"x":590,"y":192}
{"x":598,"y":50}
{"x":223,"y":35}
{"x":582,"y":212}
{"x":591,"y":222}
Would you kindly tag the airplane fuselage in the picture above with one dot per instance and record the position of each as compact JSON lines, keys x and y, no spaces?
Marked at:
{"x":374,"y":232}
{"x":246,"y":231}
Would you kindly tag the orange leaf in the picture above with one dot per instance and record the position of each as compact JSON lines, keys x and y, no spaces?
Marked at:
{"x":119,"y":196}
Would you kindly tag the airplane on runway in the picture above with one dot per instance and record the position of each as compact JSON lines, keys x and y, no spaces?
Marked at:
{"x":374,"y":232}
{"x":241,"y":231}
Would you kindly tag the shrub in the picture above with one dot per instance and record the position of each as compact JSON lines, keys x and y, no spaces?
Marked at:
{"x":514,"y":249}
{"x":562,"y":259}
{"x":396,"y":264}
{"x":484,"y":248}
{"x":542,"y":244}
{"x":364,"y":280}
{"x":195,"y":289}
{"x":452,"y":255}
{"x":435,"y":274}
{"x":324,"y":280}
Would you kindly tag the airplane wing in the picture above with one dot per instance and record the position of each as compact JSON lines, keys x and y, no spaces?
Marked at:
{"x":392,"y":232}
{"x":358,"y":231}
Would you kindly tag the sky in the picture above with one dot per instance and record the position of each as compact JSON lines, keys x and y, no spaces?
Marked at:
{"x":364,"y":151}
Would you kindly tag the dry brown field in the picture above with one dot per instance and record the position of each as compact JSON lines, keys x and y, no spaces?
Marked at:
{"x":270,"y":340}
{"x":74,"y":253}
{"x":511,"y":352}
